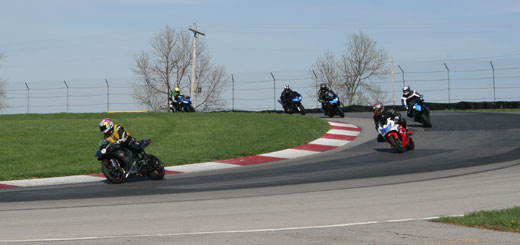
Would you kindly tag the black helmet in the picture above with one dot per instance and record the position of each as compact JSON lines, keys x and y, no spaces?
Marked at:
{"x":286,"y":88}
{"x":324,"y":87}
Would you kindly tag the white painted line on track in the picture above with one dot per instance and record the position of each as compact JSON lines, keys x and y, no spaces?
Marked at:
{"x":289,"y":153}
{"x":342,"y":124}
{"x":223,"y":232}
{"x":332,"y":142}
{"x":343,"y":132}
{"x":53,"y":181}
{"x":197,"y":167}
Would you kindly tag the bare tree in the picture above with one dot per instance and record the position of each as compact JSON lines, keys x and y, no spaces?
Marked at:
{"x":360,"y":62}
{"x":167,"y":66}
{"x":3,"y":84}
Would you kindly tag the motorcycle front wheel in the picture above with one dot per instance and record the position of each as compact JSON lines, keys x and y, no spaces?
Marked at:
{"x":113,"y":171}
{"x":156,"y":167}
{"x":340,"y":112}
{"x":396,"y":144}
{"x":301,"y":108}
{"x":426,"y":121}
{"x":411,"y":144}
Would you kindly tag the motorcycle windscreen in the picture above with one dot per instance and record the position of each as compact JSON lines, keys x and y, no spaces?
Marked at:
{"x":384,"y":130}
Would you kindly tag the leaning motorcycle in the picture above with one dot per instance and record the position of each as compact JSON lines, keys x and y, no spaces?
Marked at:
{"x":396,"y":135}
{"x":119,"y":163}
{"x":183,"y":104}
{"x":294,"y":105}
{"x":420,"y":112}
{"x":333,"y":106}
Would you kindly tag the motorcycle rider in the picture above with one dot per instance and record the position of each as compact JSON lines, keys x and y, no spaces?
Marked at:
{"x":323,"y":95}
{"x":174,"y":98}
{"x":115,"y":133}
{"x":286,"y":96}
{"x":381,"y":115}
{"x":407,"y":99}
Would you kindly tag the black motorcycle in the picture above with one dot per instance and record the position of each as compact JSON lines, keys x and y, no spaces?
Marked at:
{"x":294,"y":104}
{"x":419,"y":111}
{"x":333,"y":106}
{"x":118,"y":162}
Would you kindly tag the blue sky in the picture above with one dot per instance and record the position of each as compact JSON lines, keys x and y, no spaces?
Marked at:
{"x":46,"y":42}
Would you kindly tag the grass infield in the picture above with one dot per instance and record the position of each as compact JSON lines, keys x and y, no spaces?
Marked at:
{"x":502,"y":220}
{"x":50,"y":145}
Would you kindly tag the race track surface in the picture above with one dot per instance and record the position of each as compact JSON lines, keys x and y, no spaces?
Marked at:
{"x":457,"y":140}
{"x":357,"y":194}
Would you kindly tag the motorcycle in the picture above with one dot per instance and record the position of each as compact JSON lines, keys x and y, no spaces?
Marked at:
{"x":420,"y":112}
{"x":183,"y":104}
{"x":119,"y":163}
{"x":333,"y":106}
{"x":396,"y":135}
{"x":294,"y":105}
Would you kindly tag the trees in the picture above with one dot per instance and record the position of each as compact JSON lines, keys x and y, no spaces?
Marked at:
{"x":167,"y":65}
{"x":360,"y":62}
{"x":3,"y":84}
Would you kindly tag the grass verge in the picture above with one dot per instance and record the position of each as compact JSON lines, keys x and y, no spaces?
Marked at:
{"x":501,"y":220}
{"x":49,"y":145}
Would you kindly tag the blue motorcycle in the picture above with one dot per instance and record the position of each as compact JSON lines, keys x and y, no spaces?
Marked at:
{"x":294,"y":104}
{"x":419,"y":111}
{"x":183,"y":104}
{"x":333,"y":106}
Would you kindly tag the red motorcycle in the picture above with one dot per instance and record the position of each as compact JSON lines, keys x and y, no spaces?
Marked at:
{"x":399,"y":138}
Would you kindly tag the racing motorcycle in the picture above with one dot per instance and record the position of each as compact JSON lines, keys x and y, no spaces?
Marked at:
{"x":119,"y":163}
{"x":183,"y":104}
{"x":294,"y":105}
{"x":399,"y":138}
{"x":333,"y":106}
{"x":420,"y":112}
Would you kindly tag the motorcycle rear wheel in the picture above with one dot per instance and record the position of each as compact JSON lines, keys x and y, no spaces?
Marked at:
{"x":396,"y":144}
{"x":113,"y":172}
{"x":156,"y":167}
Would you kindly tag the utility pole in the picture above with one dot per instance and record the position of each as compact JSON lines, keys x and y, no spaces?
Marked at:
{"x":195,"y":83}
{"x":393,"y":78}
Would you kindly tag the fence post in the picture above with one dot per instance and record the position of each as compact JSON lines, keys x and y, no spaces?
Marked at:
{"x":401,"y":72}
{"x":449,"y":92}
{"x":493,"y":67}
{"x":66,"y":85}
{"x":28,"y":96}
{"x":316,"y":77}
{"x":233,"y":93}
{"x":108,"y":96}
{"x":274,"y":91}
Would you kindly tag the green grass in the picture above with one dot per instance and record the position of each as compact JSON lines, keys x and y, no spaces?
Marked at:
{"x":502,"y":220}
{"x":48,"y":145}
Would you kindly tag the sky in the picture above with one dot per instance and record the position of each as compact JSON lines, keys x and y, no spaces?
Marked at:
{"x":85,"y":42}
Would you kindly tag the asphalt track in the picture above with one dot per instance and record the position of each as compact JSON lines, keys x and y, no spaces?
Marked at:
{"x":460,"y":147}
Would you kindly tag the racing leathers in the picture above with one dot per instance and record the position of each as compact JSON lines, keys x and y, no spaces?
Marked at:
{"x":286,"y":98}
{"x":120,"y":136}
{"x":383,"y":116}
{"x":408,"y":100}
{"x":324,"y":96}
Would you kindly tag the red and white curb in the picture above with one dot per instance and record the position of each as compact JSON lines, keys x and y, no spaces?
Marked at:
{"x":339,"y":134}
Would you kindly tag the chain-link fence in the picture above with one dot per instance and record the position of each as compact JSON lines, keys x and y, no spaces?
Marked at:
{"x":449,"y":82}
